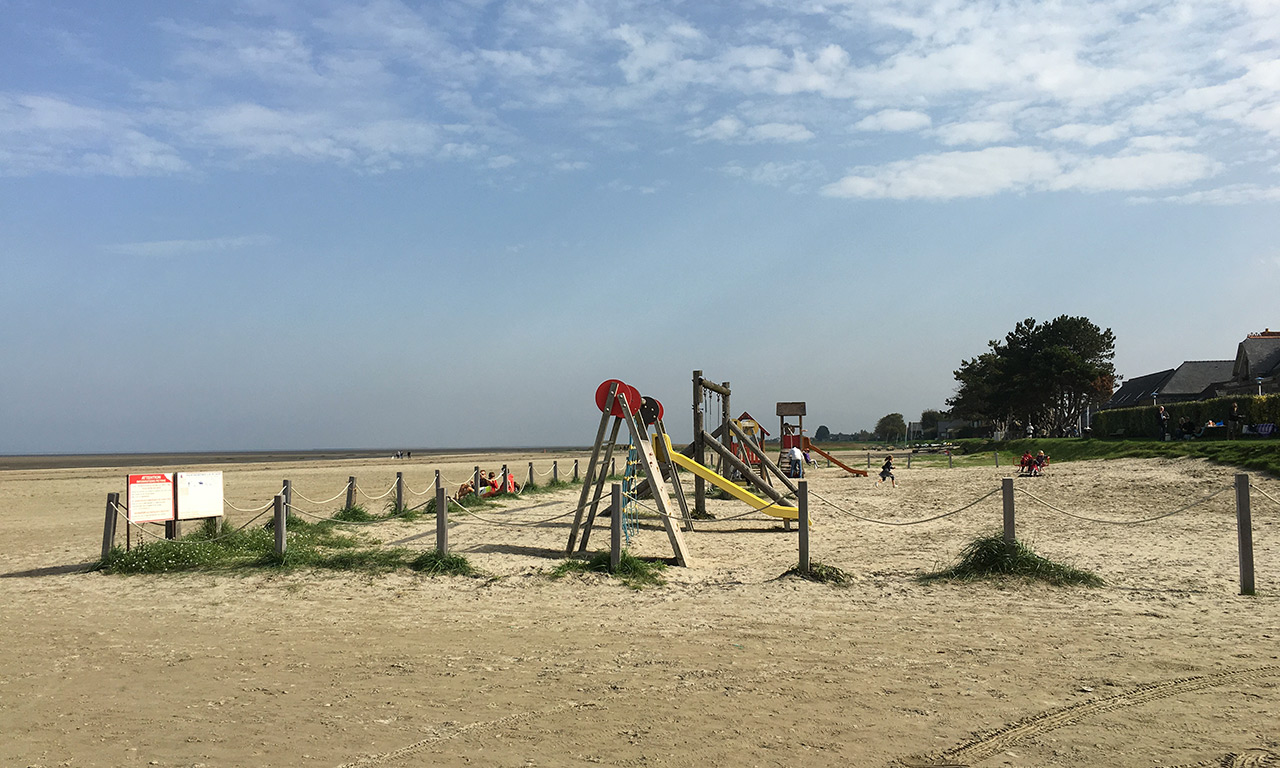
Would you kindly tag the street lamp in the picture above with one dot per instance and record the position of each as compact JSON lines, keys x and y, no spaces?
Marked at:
{"x":1155,"y":395}
{"x":1258,"y":381}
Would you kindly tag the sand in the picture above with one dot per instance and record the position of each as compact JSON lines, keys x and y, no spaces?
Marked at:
{"x":727,"y":664}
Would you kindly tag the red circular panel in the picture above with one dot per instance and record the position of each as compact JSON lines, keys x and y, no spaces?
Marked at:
{"x":624,"y":390}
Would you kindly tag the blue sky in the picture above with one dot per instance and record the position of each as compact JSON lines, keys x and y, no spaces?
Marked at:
{"x":276,"y":224}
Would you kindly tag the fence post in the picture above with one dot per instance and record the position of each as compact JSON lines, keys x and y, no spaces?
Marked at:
{"x":1006,"y":485}
{"x":442,"y":521}
{"x":475,"y":482}
{"x":280,"y":518}
{"x":399,"y":491}
{"x":868,"y":459}
{"x":802,"y":502}
{"x":615,"y":529}
{"x":575,"y":470}
{"x":1244,"y":534}
{"x":351,"y":492}
{"x":503,"y":488}
{"x":613,"y":467}
{"x":950,"y":460}
{"x":908,"y":461}
{"x":530,"y":483}
{"x":438,"y":483}
{"x":997,"y":453}
{"x":288,"y":497}
{"x":555,"y":472}
{"x":109,"y":525}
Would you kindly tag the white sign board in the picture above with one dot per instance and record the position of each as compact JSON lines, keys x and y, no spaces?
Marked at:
{"x":199,"y":495}
{"x":150,"y":498}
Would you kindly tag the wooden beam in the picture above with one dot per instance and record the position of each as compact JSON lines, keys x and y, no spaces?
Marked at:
{"x":746,"y":472}
{"x":765,"y":461}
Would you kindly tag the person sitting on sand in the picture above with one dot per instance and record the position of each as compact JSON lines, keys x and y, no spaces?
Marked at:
{"x":464,"y":490}
{"x":886,"y":472}
{"x":1028,"y":463}
{"x":1042,"y":461}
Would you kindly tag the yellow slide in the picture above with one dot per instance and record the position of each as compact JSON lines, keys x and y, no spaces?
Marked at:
{"x":735,"y":490}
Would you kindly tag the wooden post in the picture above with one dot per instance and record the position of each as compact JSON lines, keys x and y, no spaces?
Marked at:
{"x":699,"y":454}
{"x":288,"y":497}
{"x":997,"y":453}
{"x":1244,"y":534}
{"x":442,"y":521}
{"x":439,"y":484}
{"x":908,"y":461}
{"x":109,"y":525}
{"x":530,"y":483}
{"x":802,"y":503}
{"x":280,"y":518}
{"x":475,"y":483}
{"x":868,"y":459}
{"x":171,"y":529}
{"x":615,"y":529}
{"x":613,"y":467}
{"x":555,"y":472}
{"x":950,"y":460}
{"x":575,"y":470}
{"x":351,"y":492}
{"x":1006,"y":486}
{"x":399,"y":491}
{"x":503,"y":487}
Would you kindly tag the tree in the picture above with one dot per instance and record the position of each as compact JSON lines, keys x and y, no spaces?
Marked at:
{"x":929,"y":422}
{"x":891,"y":428}
{"x":1041,"y":374}
{"x":822,"y":435}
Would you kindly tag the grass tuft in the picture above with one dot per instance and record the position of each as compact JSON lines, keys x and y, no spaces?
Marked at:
{"x":633,"y":571}
{"x":990,"y":558}
{"x":821,"y":573}
{"x":433,"y":563}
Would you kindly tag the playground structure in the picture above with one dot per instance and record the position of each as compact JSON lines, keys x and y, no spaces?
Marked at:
{"x":729,"y":441}
{"x":793,"y":436}
{"x":623,"y":404}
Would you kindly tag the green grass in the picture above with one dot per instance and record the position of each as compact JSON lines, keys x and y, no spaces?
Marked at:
{"x":1261,"y":455}
{"x":318,"y":545}
{"x":821,"y":573}
{"x":433,"y":563}
{"x":551,"y":486}
{"x":632,"y":571}
{"x":990,"y":558}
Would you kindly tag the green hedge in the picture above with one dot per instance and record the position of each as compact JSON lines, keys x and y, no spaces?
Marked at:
{"x":1143,"y":421}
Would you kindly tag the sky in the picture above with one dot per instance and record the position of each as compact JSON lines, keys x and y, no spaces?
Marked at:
{"x":269,"y":224}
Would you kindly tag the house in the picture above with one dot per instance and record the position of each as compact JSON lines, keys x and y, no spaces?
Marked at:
{"x":1256,"y":369}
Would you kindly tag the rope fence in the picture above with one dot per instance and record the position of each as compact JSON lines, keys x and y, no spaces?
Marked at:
{"x":284,"y":506}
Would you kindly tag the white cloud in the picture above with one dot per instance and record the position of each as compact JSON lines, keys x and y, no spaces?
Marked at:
{"x":733,"y":129}
{"x":1088,"y":135}
{"x":779,"y":132}
{"x":894,"y":120}
{"x":776,"y":174}
{"x":157,"y":248}
{"x":1233,"y":194}
{"x":975,"y":132}
{"x":950,"y":175}
{"x":1151,"y":170}
{"x":726,"y":128}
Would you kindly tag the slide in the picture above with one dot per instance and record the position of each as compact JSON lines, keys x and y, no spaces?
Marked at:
{"x":811,"y":447}
{"x":735,"y":490}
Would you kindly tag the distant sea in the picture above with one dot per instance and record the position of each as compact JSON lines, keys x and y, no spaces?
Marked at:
{"x":75,"y":461}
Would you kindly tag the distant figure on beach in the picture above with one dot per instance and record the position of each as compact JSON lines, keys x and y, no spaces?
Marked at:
{"x":886,"y":472}
{"x":797,"y":462}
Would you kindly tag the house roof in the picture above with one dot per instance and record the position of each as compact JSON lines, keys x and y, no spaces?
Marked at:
{"x":1258,"y":355}
{"x":1137,"y":391}
{"x":1195,"y":376}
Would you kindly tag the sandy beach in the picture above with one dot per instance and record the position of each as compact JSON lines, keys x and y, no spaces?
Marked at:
{"x":727,"y":664}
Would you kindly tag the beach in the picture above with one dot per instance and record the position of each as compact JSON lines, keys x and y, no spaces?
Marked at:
{"x":728,"y":663}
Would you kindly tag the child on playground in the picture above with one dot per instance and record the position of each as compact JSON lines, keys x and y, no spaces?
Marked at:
{"x":886,"y":472}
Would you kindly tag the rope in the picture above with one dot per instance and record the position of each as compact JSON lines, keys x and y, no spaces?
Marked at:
{"x":1264,"y":493}
{"x":255,"y":509}
{"x":430,"y":489}
{"x":973,"y":503}
{"x":375,"y":498}
{"x":521,"y":524}
{"x":143,"y":531}
{"x":326,"y":501}
{"x":1128,"y":522}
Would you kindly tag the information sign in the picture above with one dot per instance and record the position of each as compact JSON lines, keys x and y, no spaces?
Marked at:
{"x":150,"y":498}
{"x":199,"y":495}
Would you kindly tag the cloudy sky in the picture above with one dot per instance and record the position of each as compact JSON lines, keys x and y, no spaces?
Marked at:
{"x":278,"y":224}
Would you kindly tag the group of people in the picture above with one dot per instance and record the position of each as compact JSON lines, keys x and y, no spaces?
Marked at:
{"x":490,"y":485}
{"x":799,"y":460}
{"x":1187,"y":428}
{"x":1033,"y":466}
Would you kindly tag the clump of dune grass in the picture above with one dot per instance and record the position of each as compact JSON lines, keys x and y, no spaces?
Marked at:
{"x":632,"y":571}
{"x":433,"y":562}
{"x":820,"y":572}
{"x":990,"y":557}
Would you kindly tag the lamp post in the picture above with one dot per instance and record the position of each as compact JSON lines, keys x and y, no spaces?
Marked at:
{"x":1258,"y":381}
{"x":1154,"y":396}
